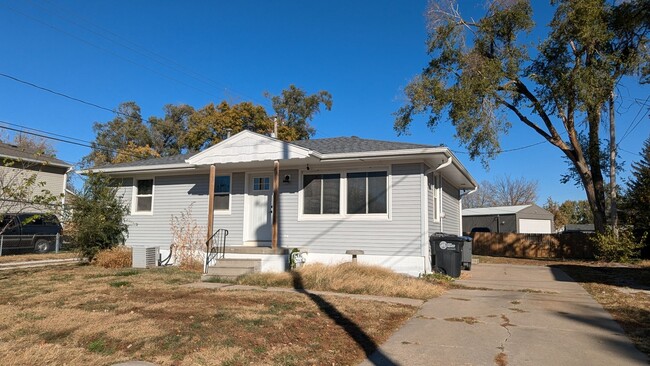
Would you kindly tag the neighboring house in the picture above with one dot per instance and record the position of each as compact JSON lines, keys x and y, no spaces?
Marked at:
{"x":18,"y":164}
{"x":524,"y":219}
{"x":334,"y":195}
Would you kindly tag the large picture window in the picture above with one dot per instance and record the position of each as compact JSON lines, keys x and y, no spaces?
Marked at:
{"x":222,"y":193}
{"x":144,"y":195}
{"x":321,"y":194}
{"x":367,"y":192}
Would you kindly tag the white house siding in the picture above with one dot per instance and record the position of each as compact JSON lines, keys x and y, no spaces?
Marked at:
{"x":450,"y":197}
{"x":434,"y":225}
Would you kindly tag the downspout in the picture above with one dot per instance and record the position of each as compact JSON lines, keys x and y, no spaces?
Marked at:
{"x":426,"y":210}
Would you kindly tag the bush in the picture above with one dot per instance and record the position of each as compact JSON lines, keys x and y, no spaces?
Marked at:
{"x":118,"y":257}
{"x":98,"y":217}
{"x":612,"y":249}
{"x":188,"y":240}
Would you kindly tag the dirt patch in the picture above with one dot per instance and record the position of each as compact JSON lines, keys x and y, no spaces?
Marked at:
{"x":466,"y":319}
{"x":505,"y":321}
{"x":517,"y":310}
{"x":460,"y":299}
{"x":89,"y":315}
{"x":501,"y":359}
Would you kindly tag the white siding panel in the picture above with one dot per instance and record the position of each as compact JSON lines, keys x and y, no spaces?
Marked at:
{"x":535,"y":226}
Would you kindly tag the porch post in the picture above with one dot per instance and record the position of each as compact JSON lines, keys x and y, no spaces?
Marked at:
{"x":276,"y":189}
{"x":211,"y":203}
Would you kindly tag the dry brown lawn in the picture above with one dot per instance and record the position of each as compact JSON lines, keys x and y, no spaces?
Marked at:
{"x":349,"y":278}
{"x":86,"y":315}
{"x":11,"y":258}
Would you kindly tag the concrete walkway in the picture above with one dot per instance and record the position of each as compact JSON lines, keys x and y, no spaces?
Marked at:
{"x":523,"y":315}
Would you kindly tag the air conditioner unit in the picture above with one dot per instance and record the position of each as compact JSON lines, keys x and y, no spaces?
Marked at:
{"x":145,"y":257}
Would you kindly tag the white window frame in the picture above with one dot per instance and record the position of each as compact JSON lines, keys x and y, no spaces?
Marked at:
{"x":436,"y":199}
{"x":229,"y":194}
{"x":135,"y":196}
{"x":343,"y":203}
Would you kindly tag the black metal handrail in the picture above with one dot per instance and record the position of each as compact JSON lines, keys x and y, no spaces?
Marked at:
{"x":216,"y":247}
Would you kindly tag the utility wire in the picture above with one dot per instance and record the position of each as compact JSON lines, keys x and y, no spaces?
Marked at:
{"x":632,"y":125}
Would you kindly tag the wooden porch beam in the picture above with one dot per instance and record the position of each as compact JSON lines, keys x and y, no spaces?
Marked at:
{"x":276,"y":189}
{"x":211,"y":202}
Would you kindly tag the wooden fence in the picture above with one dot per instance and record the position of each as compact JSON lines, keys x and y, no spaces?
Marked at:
{"x":571,"y":245}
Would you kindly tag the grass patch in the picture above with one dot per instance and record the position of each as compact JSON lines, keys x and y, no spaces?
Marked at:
{"x":87,"y":321}
{"x":349,"y":278}
{"x":120,"y":283}
{"x":466,"y":319}
{"x":12,"y":258}
{"x":131,"y":272}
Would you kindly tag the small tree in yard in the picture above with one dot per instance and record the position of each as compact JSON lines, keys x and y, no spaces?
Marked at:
{"x":188,"y":239}
{"x":98,"y":217}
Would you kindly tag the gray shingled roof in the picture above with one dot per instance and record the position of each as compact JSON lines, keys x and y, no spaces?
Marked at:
{"x":165,"y":160}
{"x":15,"y":152}
{"x":324,"y":146}
{"x":354,"y":144}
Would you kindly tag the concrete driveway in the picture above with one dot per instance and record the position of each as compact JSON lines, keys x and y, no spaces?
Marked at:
{"x":516,"y":315}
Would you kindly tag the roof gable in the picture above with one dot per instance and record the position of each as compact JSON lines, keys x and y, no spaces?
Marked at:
{"x":247,"y":146}
{"x":499,"y":210}
{"x":18,"y":153}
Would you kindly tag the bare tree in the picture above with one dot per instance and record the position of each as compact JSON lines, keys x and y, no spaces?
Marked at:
{"x":503,"y":191}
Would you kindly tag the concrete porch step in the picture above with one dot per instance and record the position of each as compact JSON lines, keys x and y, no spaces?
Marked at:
{"x":232,"y":268}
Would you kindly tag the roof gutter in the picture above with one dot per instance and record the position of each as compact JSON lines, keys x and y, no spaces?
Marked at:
{"x":140,"y":168}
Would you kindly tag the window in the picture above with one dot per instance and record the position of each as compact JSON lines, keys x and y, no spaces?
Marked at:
{"x":222,"y":193}
{"x":321,"y":194}
{"x":367,"y":193}
{"x":435,"y":187}
{"x":261,"y":183}
{"x":144,"y":195}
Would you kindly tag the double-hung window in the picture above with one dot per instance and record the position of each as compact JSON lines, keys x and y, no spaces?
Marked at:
{"x":222,"y":193}
{"x":144,"y":195}
{"x":367,"y":192}
{"x":321,"y":194}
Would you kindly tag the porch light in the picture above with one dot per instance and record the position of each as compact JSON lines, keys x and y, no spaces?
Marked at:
{"x":287,"y":179}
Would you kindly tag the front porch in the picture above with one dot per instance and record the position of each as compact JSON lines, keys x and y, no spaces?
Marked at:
{"x":241,"y":260}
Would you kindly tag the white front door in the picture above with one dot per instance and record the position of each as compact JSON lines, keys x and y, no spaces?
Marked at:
{"x":258,"y":210}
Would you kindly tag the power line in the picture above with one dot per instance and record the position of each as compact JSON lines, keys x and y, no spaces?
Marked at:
{"x":632,"y":125}
{"x":107,"y":50}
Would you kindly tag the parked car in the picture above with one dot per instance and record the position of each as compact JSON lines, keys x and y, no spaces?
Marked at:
{"x":30,"y":231}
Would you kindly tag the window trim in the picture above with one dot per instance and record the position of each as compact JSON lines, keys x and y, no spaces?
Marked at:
{"x":367,"y":193}
{"x":436,"y":197}
{"x":229,"y":194}
{"x":135,"y":196}
{"x":343,"y":202}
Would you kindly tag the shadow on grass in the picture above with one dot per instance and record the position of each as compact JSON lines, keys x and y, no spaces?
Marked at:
{"x":370,"y":348}
{"x":633,"y":277}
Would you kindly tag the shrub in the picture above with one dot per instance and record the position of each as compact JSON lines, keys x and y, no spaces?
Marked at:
{"x":612,"y":249}
{"x":98,"y":216}
{"x":118,"y":257}
{"x":188,"y":240}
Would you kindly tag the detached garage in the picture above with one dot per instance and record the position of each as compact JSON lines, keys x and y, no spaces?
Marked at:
{"x":524,"y":219}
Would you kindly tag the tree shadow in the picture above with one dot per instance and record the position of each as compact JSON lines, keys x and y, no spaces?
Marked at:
{"x":634,"y":277}
{"x":354,"y":331}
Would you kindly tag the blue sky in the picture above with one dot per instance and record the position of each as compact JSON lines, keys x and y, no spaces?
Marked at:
{"x":362,"y":52}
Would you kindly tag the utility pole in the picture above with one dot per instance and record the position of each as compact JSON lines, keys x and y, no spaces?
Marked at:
{"x":612,"y":166}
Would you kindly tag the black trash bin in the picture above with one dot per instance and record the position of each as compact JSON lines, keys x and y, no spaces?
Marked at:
{"x":448,"y":253}
{"x":467,"y":253}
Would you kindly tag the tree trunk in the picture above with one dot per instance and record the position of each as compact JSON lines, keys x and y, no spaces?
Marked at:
{"x":597,"y":203}
{"x":612,"y":167}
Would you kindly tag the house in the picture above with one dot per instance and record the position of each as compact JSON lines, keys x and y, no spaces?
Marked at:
{"x":18,"y":164}
{"x":524,"y":219}
{"x":379,"y":199}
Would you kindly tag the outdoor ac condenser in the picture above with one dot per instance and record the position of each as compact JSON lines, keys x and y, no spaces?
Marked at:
{"x":145,"y":257}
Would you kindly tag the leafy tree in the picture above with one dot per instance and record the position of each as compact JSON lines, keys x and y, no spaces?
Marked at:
{"x":296,"y":109}
{"x":98,"y":216}
{"x":569,"y":212}
{"x":168,"y":133}
{"x":210,"y":124}
{"x":132,"y":152}
{"x":479,"y":70}
{"x":504,"y":191}
{"x":126,"y":128}
{"x":636,"y":203}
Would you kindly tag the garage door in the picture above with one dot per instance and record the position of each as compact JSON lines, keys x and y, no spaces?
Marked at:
{"x":531,"y":226}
